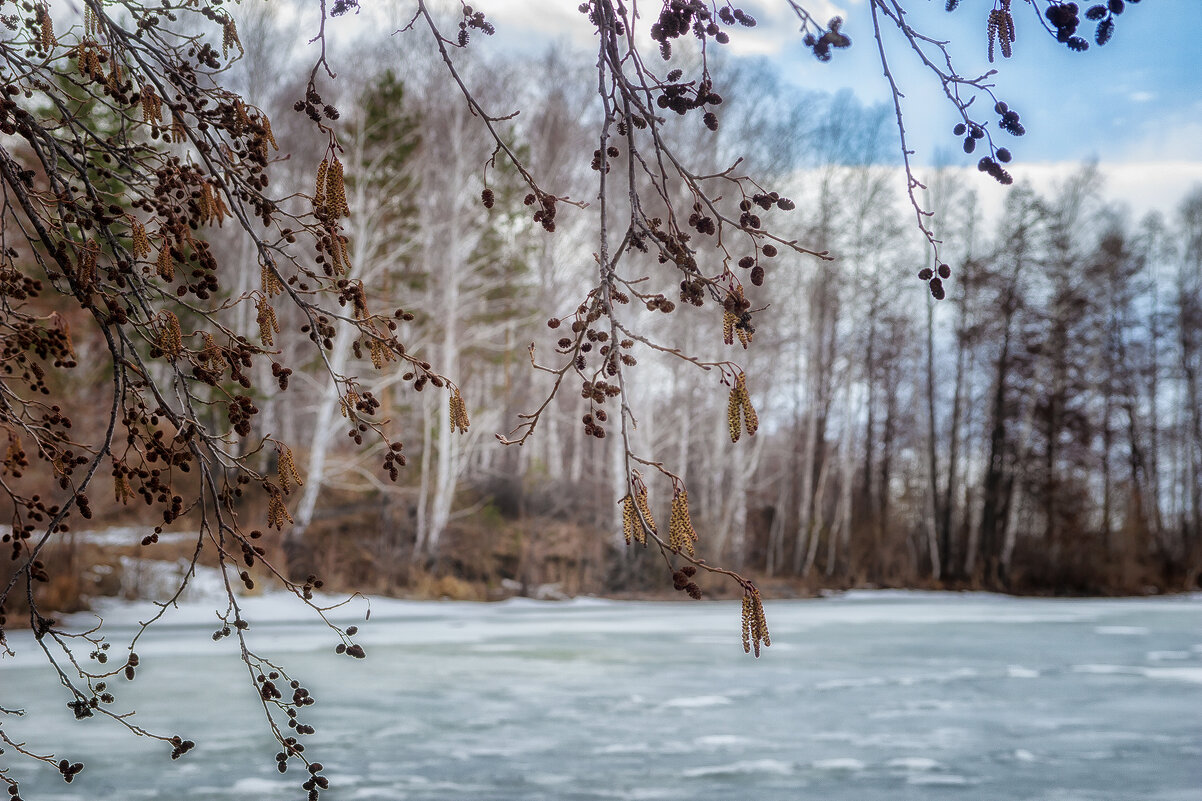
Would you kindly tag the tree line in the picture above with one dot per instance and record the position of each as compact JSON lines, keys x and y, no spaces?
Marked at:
{"x":1036,"y":431}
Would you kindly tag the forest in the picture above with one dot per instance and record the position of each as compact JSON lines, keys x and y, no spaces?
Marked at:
{"x":1039,"y":430}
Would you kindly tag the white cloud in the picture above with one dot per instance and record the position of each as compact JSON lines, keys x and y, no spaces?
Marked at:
{"x":1142,"y":187}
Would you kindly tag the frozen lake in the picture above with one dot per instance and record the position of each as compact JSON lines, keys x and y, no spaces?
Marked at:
{"x":897,"y":696}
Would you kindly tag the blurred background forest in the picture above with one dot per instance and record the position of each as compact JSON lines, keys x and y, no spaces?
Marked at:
{"x":1039,"y":431}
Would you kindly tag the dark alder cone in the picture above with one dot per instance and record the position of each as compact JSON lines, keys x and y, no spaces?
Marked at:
{"x":937,"y":289}
{"x":945,"y":271}
{"x":487,"y":198}
{"x":925,"y":273}
{"x":757,"y":275}
{"x":769,"y":250}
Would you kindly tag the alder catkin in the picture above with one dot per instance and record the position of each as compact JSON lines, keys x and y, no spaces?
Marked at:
{"x":458,"y":412}
{"x":733,"y":408}
{"x":641,"y":499}
{"x":286,"y":468}
{"x":681,"y":534}
{"x":630,"y":519}
{"x":165,"y":265}
{"x":319,"y":194}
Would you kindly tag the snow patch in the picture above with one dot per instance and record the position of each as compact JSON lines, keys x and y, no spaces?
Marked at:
{"x":937,"y":779}
{"x":1020,"y":672}
{"x":257,"y":785}
{"x":1122,"y":631}
{"x":914,"y":763}
{"x":1192,"y":675}
{"x":720,"y":740}
{"x":760,"y":766}
{"x":849,"y":764}
{"x":696,"y":701}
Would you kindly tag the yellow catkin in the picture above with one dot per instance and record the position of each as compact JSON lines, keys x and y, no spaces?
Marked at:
{"x":751,"y":420}
{"x":270,"y":282}
{"x":681,"y":534}
{"x":60,"y":324}
{"x":630,"y":519}
{"x":746,"y":623}
{"x":241,"y":118}
{"x":91,"y":23}
{"x":728,"y":327}
{"x":15,"y":453}
{"x":229,"y":37}
{"x":286,"y":468}
{"x":458,"y":412}
{"x":339,"y":259}
{"x":640,"y":499}
{"x":755,"y":627}
{"x":87,"y":264}
{"x":115,"y":77}
{"x":277,"y":511}
{"x":268,"y":325}
{"x":152,"y":106}
{"x":348,"y":404}
{"x":139,"y":242}
{"x":336,"y":192}
{"x":319,"y":194}
{"x":170,"y":337}
{"x":210,"y":354}
{"x":733,"y":407}
{"x":380,"y":353}
{"x":220,"y":210}
{"x":123,"y":492}
{"x":212,"y":206}
{"x":47,"y":39}
{"x":205,"y":203}
{"x":744,"y":336}
{"x":740,"y":413}
{"x":267,"y":130}
{"x":165,"y":265}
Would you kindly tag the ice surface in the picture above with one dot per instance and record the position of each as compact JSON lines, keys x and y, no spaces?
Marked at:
{"x":896,"y":696}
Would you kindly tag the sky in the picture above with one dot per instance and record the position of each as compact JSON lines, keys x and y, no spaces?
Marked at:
{"x":1134,"y":105}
